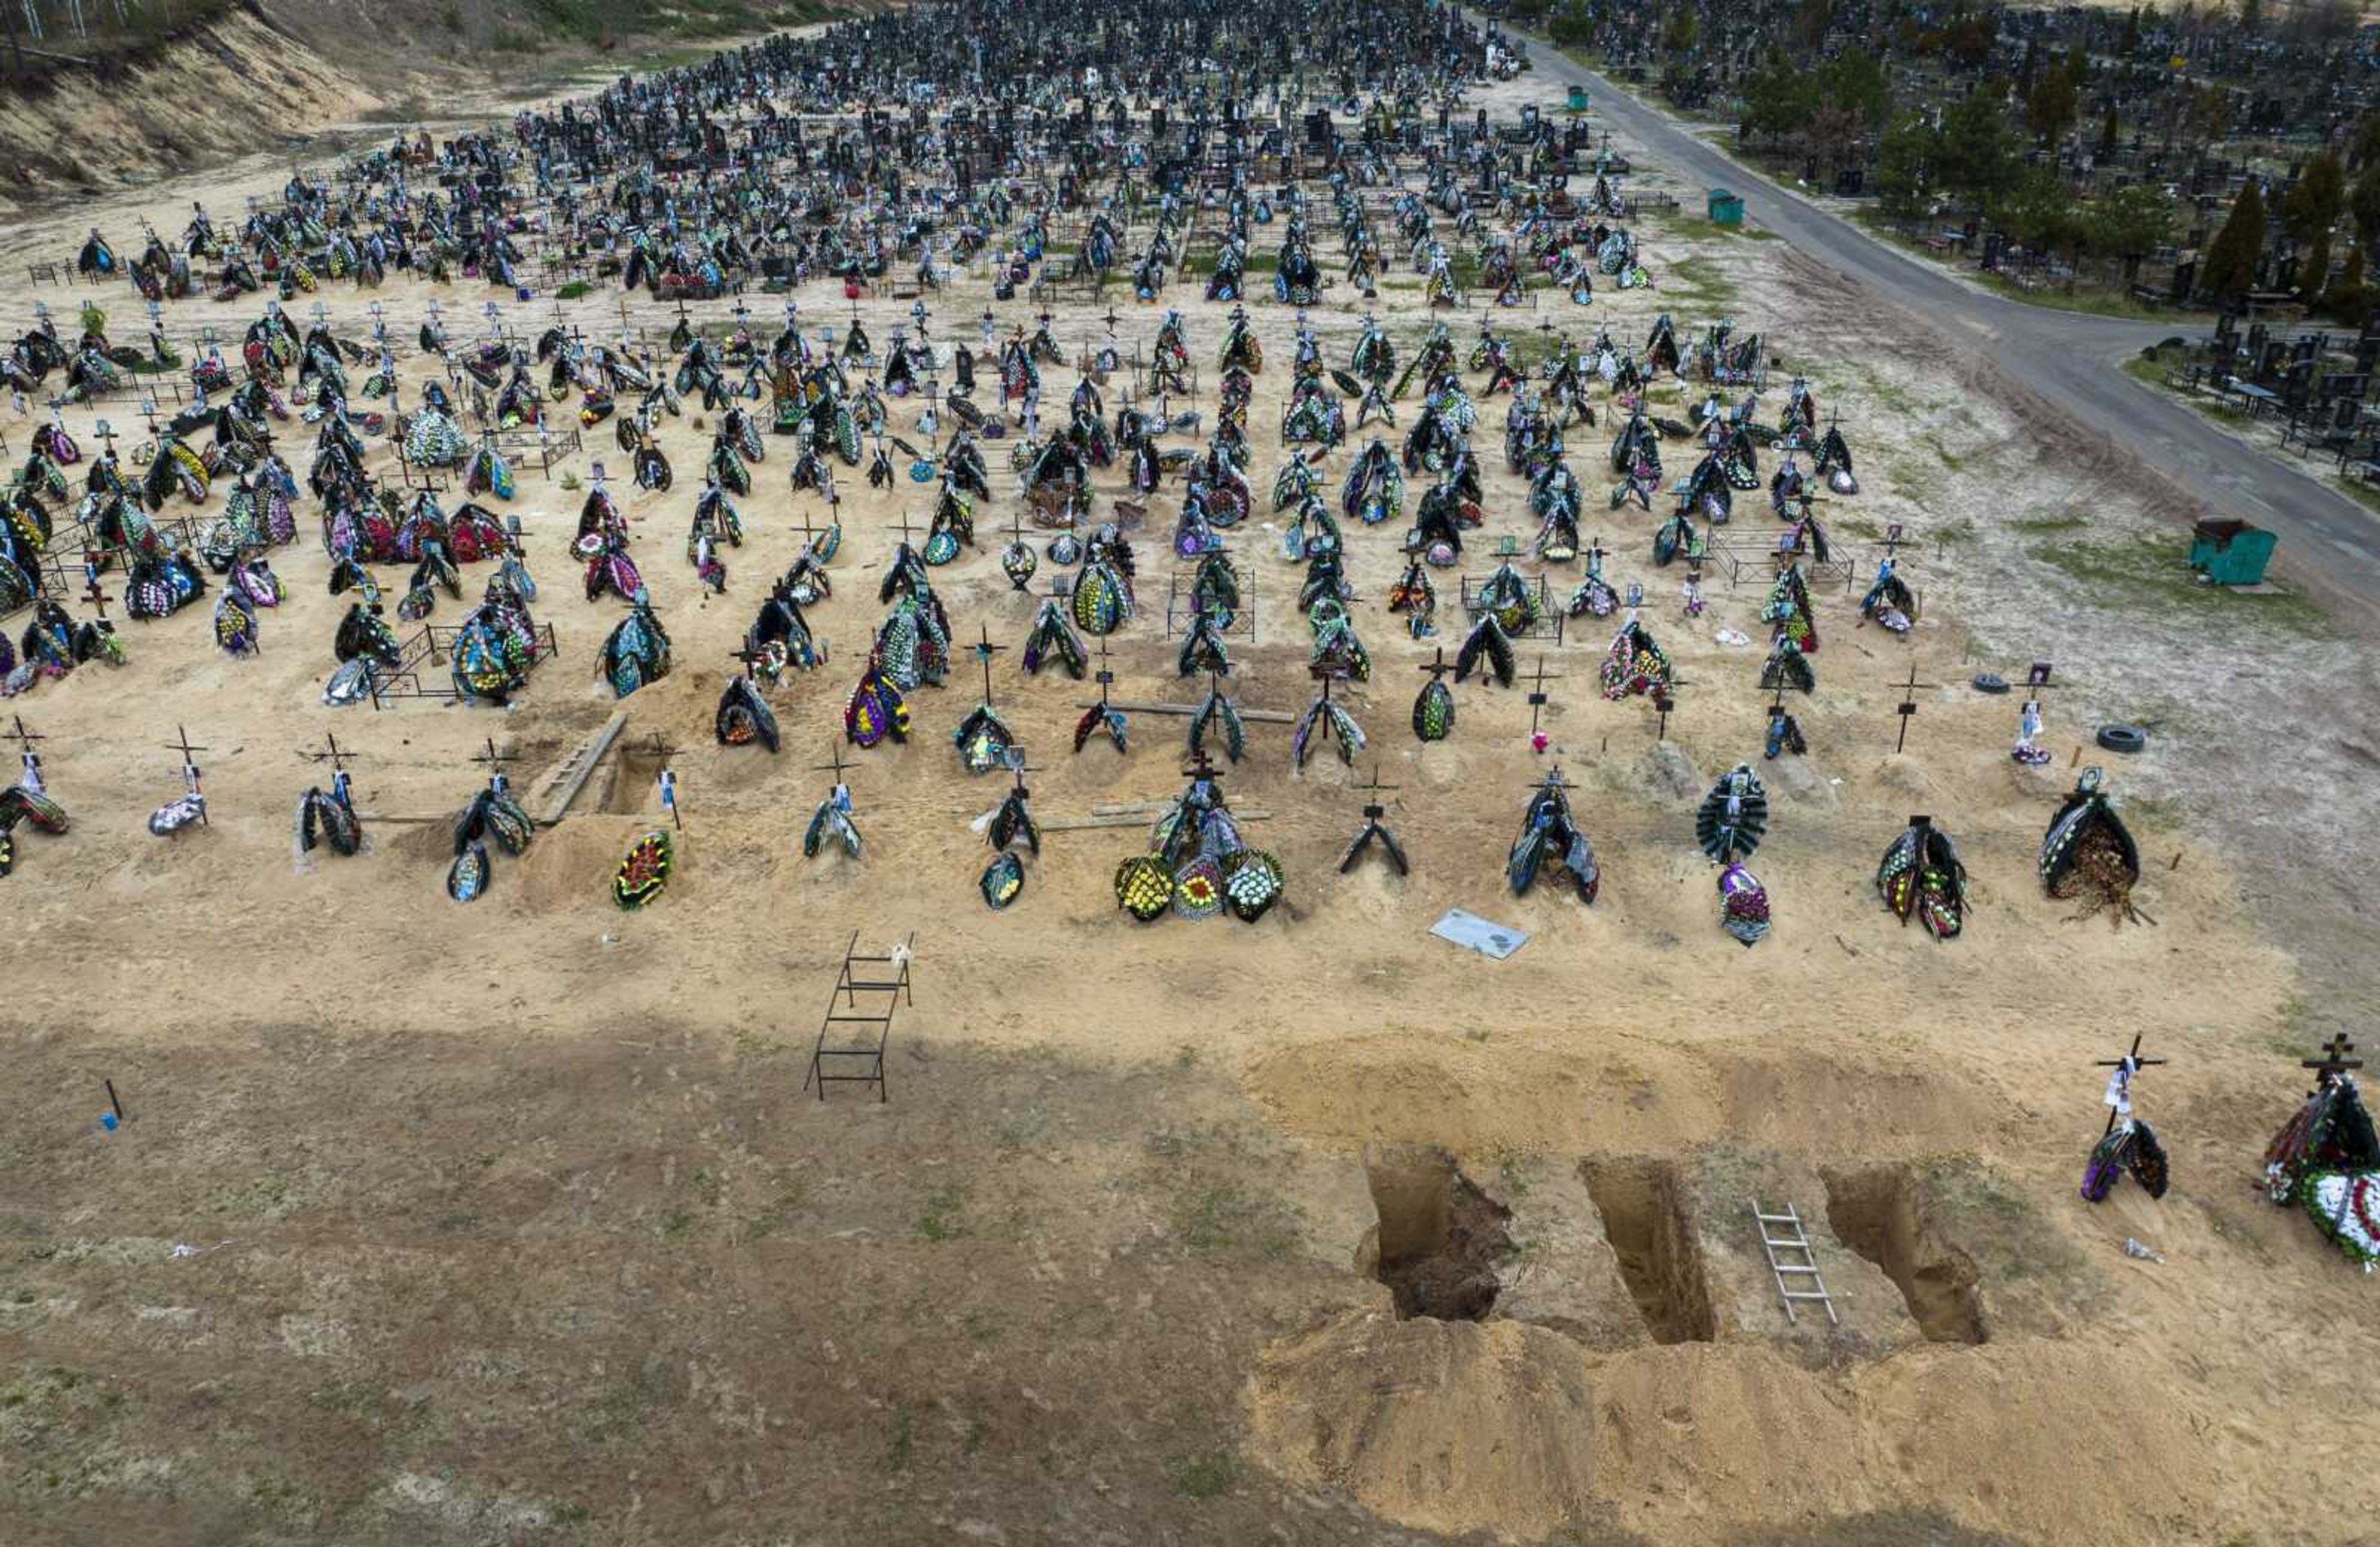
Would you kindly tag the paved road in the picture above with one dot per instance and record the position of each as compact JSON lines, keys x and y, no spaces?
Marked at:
{"x":2327,"y":539}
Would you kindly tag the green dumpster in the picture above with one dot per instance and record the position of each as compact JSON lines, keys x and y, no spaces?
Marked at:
{"x":1578,"y":98}
{"x":1725,"y":208}
{"x":2230,"y":553}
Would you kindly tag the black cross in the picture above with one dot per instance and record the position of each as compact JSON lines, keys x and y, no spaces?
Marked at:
{"x":1908,"y":706}
{"x":1438,"y":667}
{"x":495,"y":761}
{"x":2334,"y":1061}
{"x":1202,"y":766}
{"x":984,"y":649}
{"x":1538,"y":700}
{"x":1104,"y":676}
{"x":662,"y":751}
{"x":1374,"y":811}
{"x":105,"y":431}
{"x":2134,"y":1057}
{"x":1021,"y":768}
{"x":1554,"y":780}
{"x":334,"y":754}
{"x":909,"y":526}
{"x":181,"y":743}
{"x":25,"y":740}
{"x":842,"y":772}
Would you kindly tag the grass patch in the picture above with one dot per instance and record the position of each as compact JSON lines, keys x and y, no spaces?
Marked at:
{"x":577,"y":289}
{"x":2152,"y":570}
{"x":2001,"y":1229}
{"x":1210,"y":1477}
{"x":1230,"y":1218}
{"x":1697,"y":282}
{"x":2359,"y":492}
{"x":2042,"y":526}
{"x":938,"y":1221}
{"x":1208,"y":1177}
{"x":1702,"y":226}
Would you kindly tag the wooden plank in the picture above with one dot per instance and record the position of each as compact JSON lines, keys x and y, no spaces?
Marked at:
{"x":564,"y":783}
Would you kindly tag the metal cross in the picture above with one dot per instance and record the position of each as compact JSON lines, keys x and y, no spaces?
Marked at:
{"x":2134,"y":1058}
{"x":1374,"y":811}
{"x":334,"y":754}
{"x":1538,"y":700}
{"x":495,"y":761}
{"x":25,"y":740}
{"x":2334,"y":1061}
{"x":1908,"y":706}
{"x":666,"y":776}
{"x":843,"y":771}
{"x":984,"y":649}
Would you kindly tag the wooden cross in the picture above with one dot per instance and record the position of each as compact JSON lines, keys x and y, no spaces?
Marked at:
{"x":1538,"y":700}
{"x":909,"y":526}
{"x":495,"y":761}
{"x":984,"y":649}
{"x":1554,"y":780}
{"x":1908,"y":706}
{"x":1202,"y":766}
{"x":2134,"y":1058}
{"x":745,"y":653}
{"x":181,"y":743}
{"x":1374,"y":811}
{"x":1439,"y":666}
{"x":1019,"y":767}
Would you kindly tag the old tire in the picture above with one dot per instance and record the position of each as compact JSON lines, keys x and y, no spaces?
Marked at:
{"x":2124,"y":739}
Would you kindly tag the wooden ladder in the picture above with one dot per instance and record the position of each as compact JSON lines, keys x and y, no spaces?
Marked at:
{"x":560,"y":787}
{"x":1788,"y":1271}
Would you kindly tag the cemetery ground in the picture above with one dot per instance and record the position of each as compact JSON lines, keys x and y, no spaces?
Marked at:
{"x":515,"y":1223}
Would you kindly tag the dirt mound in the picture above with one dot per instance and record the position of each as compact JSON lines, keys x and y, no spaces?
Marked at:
{"x":1450,"y":1425}
{"x":166,"y":107}
{"x":571,"y":866}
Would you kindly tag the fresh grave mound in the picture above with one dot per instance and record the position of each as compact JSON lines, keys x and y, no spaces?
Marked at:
{"x":1447,"y":1426}
{"x":1440,"y":1237}
{"x":1880,"y":1213}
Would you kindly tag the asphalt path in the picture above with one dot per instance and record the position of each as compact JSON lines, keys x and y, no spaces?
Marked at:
{"x":2327,"y":539}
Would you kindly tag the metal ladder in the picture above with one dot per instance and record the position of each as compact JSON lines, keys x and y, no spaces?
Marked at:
{"x":1805,"y":1269}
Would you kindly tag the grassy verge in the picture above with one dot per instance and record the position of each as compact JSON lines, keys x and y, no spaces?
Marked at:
{"x":1700,"y":225}
{"x":1696,"y":283}
{"x":2094,"y":300}
{"x":2152,"y":570}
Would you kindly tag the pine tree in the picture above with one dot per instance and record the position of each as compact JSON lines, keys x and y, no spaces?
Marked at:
{"x":2108,"y":132}
{"x":2231,"y":270}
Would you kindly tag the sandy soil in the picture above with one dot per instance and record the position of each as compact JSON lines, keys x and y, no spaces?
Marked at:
{"x":512,"y":1222}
